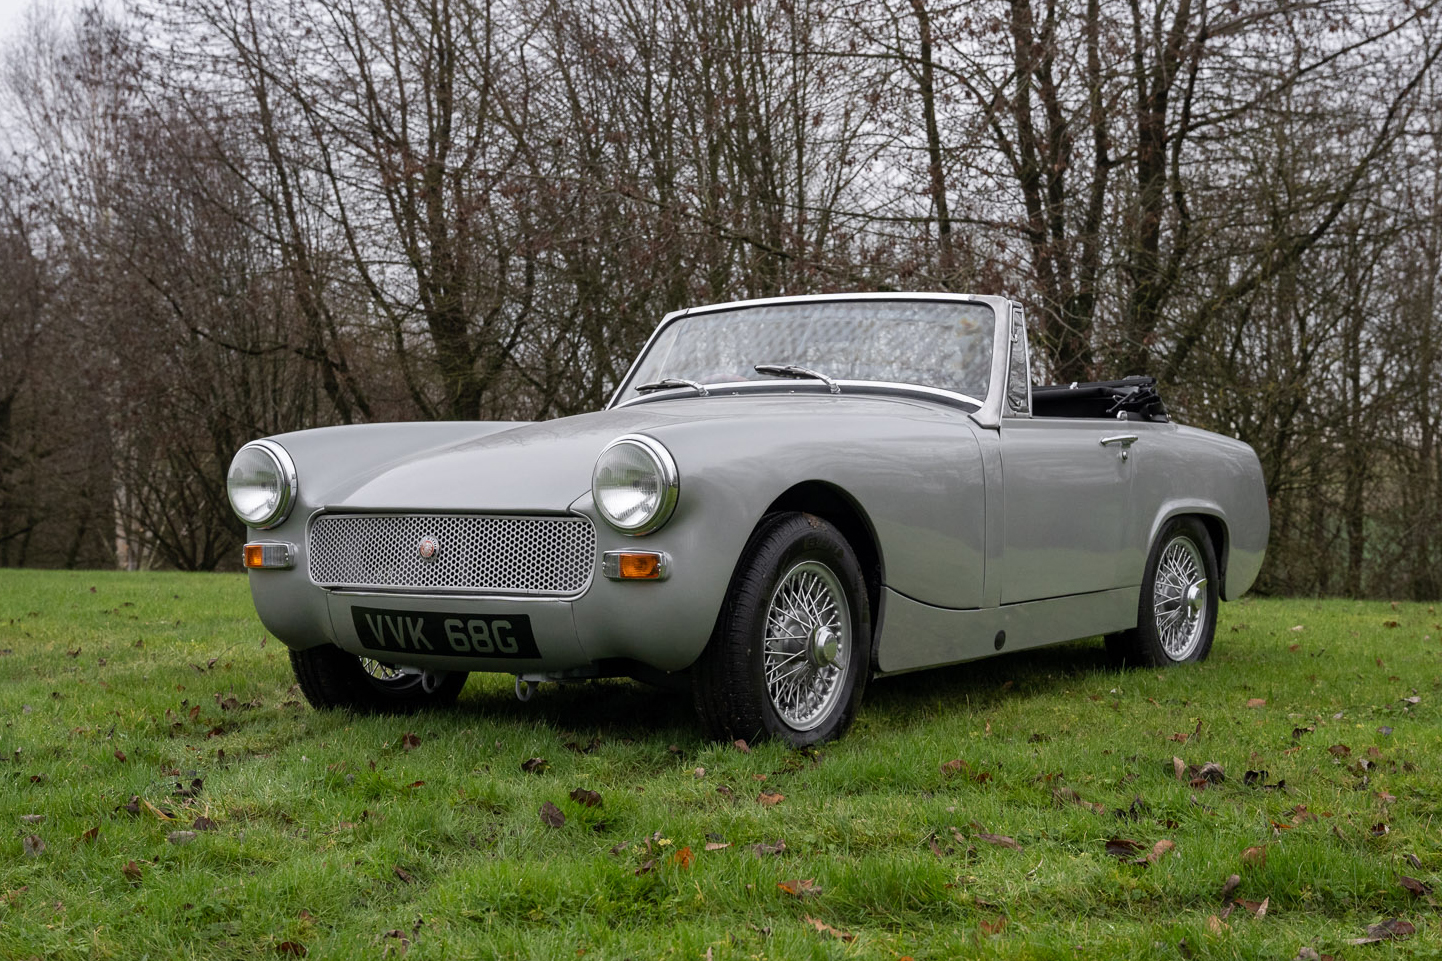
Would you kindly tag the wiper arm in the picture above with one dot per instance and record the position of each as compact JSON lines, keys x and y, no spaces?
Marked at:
{"x":793,"y":370}
{"x":668,"y":383}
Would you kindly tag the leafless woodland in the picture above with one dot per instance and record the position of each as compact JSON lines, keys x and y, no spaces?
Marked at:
{"x":229,"y":218}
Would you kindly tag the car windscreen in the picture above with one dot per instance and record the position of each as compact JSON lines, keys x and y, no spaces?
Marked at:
{"x":942,"y":344}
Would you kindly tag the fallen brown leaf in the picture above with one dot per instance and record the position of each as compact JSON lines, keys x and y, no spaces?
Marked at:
{"x":799,"y":888}
{"x":1159,"y":850}
{"x":762,"y":850}
{"x":551,"y":815}
{"x":535,"y":765}
{"x":1392,"y":929}
{"x":405,"y":876}
{"x":646,"y":867}
{"x":203,"y":823}
{"x":586,"y":798}
{"x":741,"y":745}
{"x":120,"y":755}
{"x":33,"y":845}
{"x":1123,"y":847}
{"x":1339,"y":750}
{"x":954,"y":766}
{"x":1180,"y":768}
{"x":1256,"y":702}
{"x":823,"y":928}
{"x":1255,"y":856}
{"x":1065,"y":795}
{"x":91,"y":834}
{"x":1233,"y":880}
{"x":717,"y":845}
{"x":131,"y":871}
{"x":1413,"y":885}
{"x":409,"y":741}
{"x":1255,"y":908}
{"x":292,"y":948}
{"x":683,"y":858}
{"x":1215,"y":925}
{"x":994,"y":927}
{"x":770,"y":798}
{"x":1000,"y":840}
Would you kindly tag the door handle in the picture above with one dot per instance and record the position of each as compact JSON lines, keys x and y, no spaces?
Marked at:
{"x":1122,"y":440}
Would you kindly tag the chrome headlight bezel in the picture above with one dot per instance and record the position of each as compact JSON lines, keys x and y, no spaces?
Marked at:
{"x":288,"y":487}
{"x":668,"y":484}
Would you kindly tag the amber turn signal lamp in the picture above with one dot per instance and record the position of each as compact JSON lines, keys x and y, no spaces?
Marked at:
{"x":274,"y":556}
{"x":640,"y":566}
{"x":635,"y":565}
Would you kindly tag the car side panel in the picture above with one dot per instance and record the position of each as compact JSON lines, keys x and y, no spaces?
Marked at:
{"x":916,"y":636}
{"x":1184,"y":470}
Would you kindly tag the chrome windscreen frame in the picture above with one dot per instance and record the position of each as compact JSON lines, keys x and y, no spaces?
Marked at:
{"x":987,"y":411}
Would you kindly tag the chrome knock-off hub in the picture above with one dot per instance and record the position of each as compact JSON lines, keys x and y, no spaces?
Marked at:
{"x":823,"y":645}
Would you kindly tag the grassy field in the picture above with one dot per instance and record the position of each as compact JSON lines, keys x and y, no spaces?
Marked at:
{"x":138,"y":706}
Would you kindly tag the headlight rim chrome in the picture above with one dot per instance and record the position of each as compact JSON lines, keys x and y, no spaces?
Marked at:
{"x":290,"y":486}
{"x":670,"y":484}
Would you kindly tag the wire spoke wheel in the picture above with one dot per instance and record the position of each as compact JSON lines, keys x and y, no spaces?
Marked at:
{"x":1179,"y":598}
{"x":382,"y":673}
{"x":807,"y":648}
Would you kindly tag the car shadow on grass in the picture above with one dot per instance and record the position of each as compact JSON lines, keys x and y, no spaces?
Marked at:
{"x":617,"y":708}
{"x":612,"y":708}
{"x":982,"y":685}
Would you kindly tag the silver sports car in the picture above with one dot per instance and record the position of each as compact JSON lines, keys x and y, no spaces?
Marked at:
{"x":783,"y":499}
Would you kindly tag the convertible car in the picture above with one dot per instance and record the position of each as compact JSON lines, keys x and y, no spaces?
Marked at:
{"x":784,"y":499}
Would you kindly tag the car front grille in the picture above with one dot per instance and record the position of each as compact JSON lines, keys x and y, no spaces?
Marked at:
{"x":492,"y":554}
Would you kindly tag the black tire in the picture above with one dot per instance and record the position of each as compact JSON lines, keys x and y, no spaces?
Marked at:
{"x":797,"y":552}
{"x":333,"y":679}
{"x":1165,"y":633}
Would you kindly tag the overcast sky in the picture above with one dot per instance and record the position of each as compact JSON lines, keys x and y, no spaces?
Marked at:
{"x":12,"y":13}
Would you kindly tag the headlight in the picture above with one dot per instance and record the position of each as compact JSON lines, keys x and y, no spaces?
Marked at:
{"x":635,"y":484}
{"x":261,"y":484}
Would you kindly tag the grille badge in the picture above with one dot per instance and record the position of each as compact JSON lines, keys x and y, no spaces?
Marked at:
{"x":429,"y":547}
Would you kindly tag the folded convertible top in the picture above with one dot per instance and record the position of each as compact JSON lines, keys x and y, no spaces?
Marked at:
{"x":1131,"y":398}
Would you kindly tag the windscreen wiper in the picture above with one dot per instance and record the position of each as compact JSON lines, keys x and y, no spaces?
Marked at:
{"x":793,"y":370}
{"x":668,"y":383}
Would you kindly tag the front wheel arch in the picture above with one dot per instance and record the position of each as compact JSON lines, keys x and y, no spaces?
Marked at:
{"x":838,"y":508}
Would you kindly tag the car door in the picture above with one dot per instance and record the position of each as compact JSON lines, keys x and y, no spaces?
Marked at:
{"x":1065,"y":487}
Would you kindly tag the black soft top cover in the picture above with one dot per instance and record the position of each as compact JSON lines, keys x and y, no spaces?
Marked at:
{"x":1131,"y":398}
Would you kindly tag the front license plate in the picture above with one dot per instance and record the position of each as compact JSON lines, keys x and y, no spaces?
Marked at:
{"x":434,"y":632}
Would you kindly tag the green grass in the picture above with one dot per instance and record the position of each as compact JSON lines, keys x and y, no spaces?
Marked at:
{"x":315,"y":812}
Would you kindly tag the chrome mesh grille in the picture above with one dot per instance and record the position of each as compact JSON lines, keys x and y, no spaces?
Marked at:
{"x":475,"y":552}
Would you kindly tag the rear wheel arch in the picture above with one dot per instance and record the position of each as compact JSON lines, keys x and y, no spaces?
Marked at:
{"x":1217,"y":532}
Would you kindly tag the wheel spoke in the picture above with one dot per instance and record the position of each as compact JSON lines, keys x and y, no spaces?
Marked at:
{"x":1179,"y":626}
{"x":803,"y":689}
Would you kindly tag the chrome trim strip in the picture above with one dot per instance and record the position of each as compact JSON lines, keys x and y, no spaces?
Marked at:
{"x":814,"y":386}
